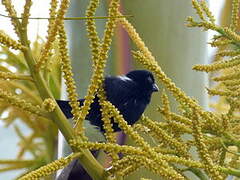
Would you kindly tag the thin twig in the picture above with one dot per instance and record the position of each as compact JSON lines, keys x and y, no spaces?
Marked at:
{"x":68,"y":18}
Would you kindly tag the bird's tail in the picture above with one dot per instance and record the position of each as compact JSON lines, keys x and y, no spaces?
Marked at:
{"x":66,"y":108}
{"x":75,"y":170}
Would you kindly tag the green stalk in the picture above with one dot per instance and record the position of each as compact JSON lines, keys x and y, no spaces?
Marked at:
{"x":90,"y":164}
{"x":69,"y":18}
{"x":230,"y":171}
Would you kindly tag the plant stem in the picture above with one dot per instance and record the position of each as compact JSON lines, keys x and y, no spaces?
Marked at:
{"x":69,"y":18}
{"x":90,"y":164}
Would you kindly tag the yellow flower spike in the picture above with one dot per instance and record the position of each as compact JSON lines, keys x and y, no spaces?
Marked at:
{"x":11,"y":12}
{"x":13,"y":76}
{"x":128,"y":167}
{"x":91,"y":29}
{"x":109,"y":133}
{"x":231,"y":34}
{"x":226,"y":119}
{"x":137,"y":151}
{"x":197,"y":164}
{"x":67,"y":73}
{"x":165,"y":101}
{"x":106,"y":118}
{"x":212,"y":171}
{"x":9,"y":42}
{"x":154,"y":167}
{"x":135,"y":37}
{"x":227,"y":93}
{"x":165,"y":110}
{"x":122,"y":163}
{"x":219,"y":65}
{"x":207,"y":11}
{"x":135,"y":162}
{"x":234,"y":103}
{"x":52,"y":14}
{"x":235,"y":82}
{"x":50,"y":168}
{"x":26,"y":13}
{"x":123,"y":124}
{"x":125,"y":166}
{"x":235,"y":14}
{"x":219,"y":43}
{"x":49,"y":105}
{"x":129,"y":164}
{"x":21,"y":103}
{"x":191,"y":22}
{"x":229,"y":76}
{"x":152,"y":65}
{"x":233,"y":88}
{"x":205,"y":25}
{"x":183,"y":161}
{"x":174,"y":116}
{"x":52,"y":34}
{"x":175,"y":126}
{"x":228,"y":53}
{"x":51,"y":20}
{"x":108,"y":147}
{"x":198,"y":9}
{"x":173,"y":143}
{"x":166,"y":169}
{"x":100,"y":63}
{"x":160,"y":149}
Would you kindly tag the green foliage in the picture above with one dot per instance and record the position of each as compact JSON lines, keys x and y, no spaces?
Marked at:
{"x":41,"y":143}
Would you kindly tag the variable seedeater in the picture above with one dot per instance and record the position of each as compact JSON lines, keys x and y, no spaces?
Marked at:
{"x":130,"y":94}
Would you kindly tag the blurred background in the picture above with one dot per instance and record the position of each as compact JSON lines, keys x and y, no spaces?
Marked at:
{"x":161,"y":24}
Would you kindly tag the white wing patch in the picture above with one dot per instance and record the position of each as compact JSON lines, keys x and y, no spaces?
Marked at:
{"x":135,"y":101}
{"x":124,"y":78}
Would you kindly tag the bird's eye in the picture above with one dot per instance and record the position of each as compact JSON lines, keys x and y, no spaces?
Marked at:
{"x":150,"y":79}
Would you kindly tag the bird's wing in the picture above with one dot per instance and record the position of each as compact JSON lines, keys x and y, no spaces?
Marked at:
{"x":124,"y":94}
{"x":119,"y":89}
{"x":75,"y":170}
{"x":66,"y":108}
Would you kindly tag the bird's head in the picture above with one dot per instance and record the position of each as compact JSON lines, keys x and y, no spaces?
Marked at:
{"x":144,"y":79}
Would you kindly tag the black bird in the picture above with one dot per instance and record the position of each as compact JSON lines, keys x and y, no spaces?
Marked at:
{"x":130,"y":94}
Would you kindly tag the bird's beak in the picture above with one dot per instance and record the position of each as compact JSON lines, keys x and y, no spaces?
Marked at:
{"x":155,"y":88}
